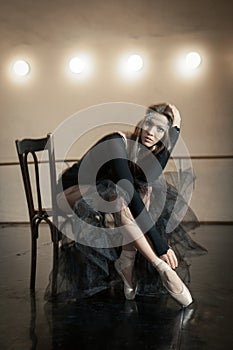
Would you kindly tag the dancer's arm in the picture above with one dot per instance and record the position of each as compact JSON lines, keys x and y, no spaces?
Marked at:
{"x":174,"y":132}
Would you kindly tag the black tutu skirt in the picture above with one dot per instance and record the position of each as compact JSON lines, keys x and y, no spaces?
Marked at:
{"x":86,"y":258}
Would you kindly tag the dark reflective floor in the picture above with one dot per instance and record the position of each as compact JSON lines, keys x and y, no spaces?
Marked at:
{"x":107,"y":321}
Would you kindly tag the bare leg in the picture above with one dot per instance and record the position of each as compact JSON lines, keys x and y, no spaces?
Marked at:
{"x":140,"y":243}
{"x":133,"y":233}
{"x":129,"y":250}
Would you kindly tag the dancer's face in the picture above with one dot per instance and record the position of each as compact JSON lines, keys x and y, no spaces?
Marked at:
{"x":153,"y":129}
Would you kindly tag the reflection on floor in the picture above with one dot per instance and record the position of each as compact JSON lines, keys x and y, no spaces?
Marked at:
{"x":107,"y":321}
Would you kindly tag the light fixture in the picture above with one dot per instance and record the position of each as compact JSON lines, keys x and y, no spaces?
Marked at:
{"x":21,"y":68}
{"x":135,"y":63}
{"x":192,"y":60}
{"x":188,"y":64}
{"x":77,"y":65}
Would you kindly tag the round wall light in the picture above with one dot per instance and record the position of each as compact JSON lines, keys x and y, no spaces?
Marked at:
{"x":135,"y":63}
{"x":21,"y":68}
{"x":77,"y":65}
{"x":192,"y":60}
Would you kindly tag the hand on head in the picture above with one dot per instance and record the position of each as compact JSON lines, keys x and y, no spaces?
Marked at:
{"x":176,"y":115}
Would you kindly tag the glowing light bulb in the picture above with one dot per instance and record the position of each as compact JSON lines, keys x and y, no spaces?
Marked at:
{"x":21,"y":68}
{"x":192,"y":60}
{"x":77,"y":65}
{"x":135,"y":63}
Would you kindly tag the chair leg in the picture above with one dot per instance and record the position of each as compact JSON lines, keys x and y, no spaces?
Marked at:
{"x":55,"y":240}
{"x":33,"y":259}
{"x":55,"y":268}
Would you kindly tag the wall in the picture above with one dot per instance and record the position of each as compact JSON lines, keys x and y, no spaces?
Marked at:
{"x":48,"y":33}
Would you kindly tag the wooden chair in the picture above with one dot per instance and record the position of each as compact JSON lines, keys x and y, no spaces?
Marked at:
{"x":37,"y":213}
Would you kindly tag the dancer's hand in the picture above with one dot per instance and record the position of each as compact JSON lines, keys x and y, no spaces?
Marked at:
{"x":170,"y":258}
{"x":176,"y":116}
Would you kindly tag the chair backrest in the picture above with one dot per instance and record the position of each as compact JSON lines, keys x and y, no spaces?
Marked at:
{"x":34,"y":146}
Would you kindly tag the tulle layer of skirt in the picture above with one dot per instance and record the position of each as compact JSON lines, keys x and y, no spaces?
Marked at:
{"x":86,"y":260}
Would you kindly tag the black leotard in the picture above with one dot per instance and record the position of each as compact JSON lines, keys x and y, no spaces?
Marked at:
{"x":117,"y":168}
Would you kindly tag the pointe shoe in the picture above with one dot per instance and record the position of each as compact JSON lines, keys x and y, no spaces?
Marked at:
{"x":184,"y":298}
{"x":129,"y":291}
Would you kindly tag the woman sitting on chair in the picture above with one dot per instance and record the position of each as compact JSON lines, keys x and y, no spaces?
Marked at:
{"x":134,"y":162}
